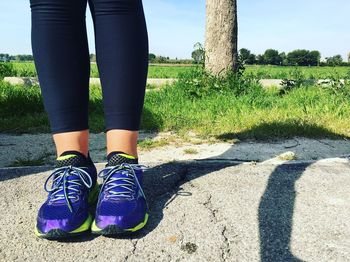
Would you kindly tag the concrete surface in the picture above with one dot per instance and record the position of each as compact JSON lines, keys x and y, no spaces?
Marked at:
{"x":30,"y":147}
{"x":224,"y":201}
{"x":202,"y":210}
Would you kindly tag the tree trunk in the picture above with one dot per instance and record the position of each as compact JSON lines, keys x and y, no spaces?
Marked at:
{"x":221,"y":36}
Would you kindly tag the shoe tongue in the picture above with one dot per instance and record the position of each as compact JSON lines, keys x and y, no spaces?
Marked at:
{"x":120,"y":174}
{"x":119,"y":157}
{"x":71,"y":158}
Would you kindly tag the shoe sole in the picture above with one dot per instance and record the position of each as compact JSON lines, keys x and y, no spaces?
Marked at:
{"x":59,"y":234}
{"x":114,"y":230}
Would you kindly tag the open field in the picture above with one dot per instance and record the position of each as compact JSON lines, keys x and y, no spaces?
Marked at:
{"x":154,"y":70}
{"x":259,"y":71}
{"x":283,"y":72}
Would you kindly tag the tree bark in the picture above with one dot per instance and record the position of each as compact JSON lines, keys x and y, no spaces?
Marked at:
{"x":221,"y":36}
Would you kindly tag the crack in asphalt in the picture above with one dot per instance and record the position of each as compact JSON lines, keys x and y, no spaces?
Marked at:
{"x":133,"y":251}
{"x":225,"y":247}
{"x":173,"y":190}
{"x":225,"y":250}
{"x":209,"y":205}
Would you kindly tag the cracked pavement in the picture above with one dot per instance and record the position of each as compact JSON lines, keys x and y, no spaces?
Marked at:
{"x":201,"y":210}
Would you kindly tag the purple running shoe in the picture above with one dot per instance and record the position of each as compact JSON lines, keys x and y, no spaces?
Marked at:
{"x":122,"y":206}
{"x":65,"y":212}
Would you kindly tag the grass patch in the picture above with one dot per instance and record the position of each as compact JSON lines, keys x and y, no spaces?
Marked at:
{"x":225,"y":108}
{"x":228,"y":109}
{"x":285,"y":72}
{"x":148,"y":144}
{"x":27,"y":69}
{"x":19,"y":162}
{"x":190,"y":151}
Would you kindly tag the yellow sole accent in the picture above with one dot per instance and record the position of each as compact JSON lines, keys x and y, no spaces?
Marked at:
{"x":127,"y":156}
{"x":139,"y":226}
{"x":65,"y":157}
{"x":94,"y":194}
{"x":37,"y":233}
{"x":95,"y":228}
{"x":84,"y":227}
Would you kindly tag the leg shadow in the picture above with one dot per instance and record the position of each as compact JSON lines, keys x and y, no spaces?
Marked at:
{"x":276,"y":213}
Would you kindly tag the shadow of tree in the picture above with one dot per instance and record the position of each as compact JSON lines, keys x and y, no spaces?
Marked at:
{"x":279,"y":130}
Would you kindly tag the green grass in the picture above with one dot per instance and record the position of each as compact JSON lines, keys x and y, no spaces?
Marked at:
{"x":148,"y":144}
{"x":27,"y":69}
{"x":190,"y":151}
{"x":224,"y":109}
{"x":283,"y":72}
{"x":310,"y":112}
{"x":173,"y":71}
{"x":19,"y":162}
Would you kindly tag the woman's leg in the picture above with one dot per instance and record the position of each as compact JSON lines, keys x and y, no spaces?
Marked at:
{"x":122,"y":140}
{"x":76,"y":141}
{"x":122,"y":58}
{"x":61,"y":55}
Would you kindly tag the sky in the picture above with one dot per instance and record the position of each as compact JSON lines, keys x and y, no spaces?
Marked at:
{"x":174,"y":26}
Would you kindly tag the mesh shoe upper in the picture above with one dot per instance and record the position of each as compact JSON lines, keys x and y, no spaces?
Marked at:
{"x":66,"y":207}
{"x":121,"y":200}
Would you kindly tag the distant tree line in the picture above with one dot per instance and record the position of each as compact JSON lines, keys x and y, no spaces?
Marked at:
{"x":158,"y":59}
{"x":8,"y":58}
{"x":152,"y":58}
{"x":299,"y":57}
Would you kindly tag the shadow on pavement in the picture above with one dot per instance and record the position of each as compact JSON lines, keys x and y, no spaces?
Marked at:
{"x":163,"y":183}
{"x":15,"y":172}
{"x":276,"y":213}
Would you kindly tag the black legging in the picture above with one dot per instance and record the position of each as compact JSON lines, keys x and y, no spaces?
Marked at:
{"x":61,"y":54}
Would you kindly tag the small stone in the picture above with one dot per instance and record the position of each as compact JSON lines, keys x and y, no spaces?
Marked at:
{"x":189,"y":247}
{"x":287,"y":156}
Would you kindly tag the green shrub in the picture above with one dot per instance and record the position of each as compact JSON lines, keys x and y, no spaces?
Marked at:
{"x":18,"y":100}
{"x":338,"y":84}
{"x":198,"y":83}
{"x":6,"y":69}
{"x":296,"y":79}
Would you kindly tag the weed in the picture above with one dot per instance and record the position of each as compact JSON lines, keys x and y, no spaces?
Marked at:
{"x":190,"y":151}
{"x":297,"y":79}
{"x":39,"y":161}
{"x":148,"y":144}
{"x":198,"y":83}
